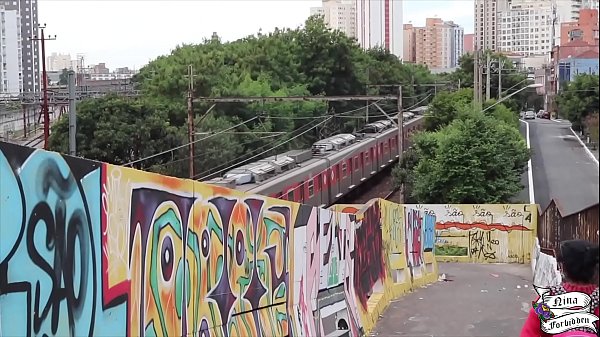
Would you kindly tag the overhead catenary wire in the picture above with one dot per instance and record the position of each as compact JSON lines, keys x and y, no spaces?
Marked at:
{"x":187,"y":144}
{"x":241,"y":159}
{"x":274,"y":147}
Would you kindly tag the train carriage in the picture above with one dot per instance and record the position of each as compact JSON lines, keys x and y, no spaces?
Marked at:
{"x":332,"y":168}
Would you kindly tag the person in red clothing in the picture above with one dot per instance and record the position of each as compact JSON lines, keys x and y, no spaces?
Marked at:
{"x":578,"y":262}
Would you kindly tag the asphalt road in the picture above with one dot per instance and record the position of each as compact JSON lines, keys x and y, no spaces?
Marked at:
{"x":562,"y":170}
{"x":480,"y":300}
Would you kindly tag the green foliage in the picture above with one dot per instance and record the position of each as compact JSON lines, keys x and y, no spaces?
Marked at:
{"x":119,"y":130}
{"x":63,"y":78}
{"x":475,"y":159}
{"x":512,"y":80}
{"x":402,"y":173}
{"x":591,"y":125}
{"x":445,"y":107}
{"x":503,"y":113}
{"x":578,"y":99}
{"x":312,"y":60}
{"x":450,"y":250}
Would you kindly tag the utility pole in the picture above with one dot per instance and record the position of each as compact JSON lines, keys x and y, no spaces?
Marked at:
{"x":24,"y":108}
{"x":488,"y":77}
{"x":400,"y":138}
{"x":45,"y":109}
{"x":500,"y":65}
{"x":476,"y":84}
{"x":72,"y":114}
{"x":190,"y":106}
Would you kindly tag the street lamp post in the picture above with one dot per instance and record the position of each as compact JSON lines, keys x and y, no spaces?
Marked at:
{"x":536,"y":85}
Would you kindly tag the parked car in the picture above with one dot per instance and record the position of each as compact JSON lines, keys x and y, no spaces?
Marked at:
{"x":529,"y":115}
{"x":543,"y":114}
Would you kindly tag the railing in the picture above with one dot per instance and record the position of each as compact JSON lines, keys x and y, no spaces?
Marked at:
{"x":554,"y":226}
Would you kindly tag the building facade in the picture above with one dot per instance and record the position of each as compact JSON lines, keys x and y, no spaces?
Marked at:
{"x":27,"y":17}
{"x":585,"y":63}
{"x":584,"y":29}
{"x":469,"y":43}
{"x":10,"y":49}
{"x":339,"y":15}
{"x":438,"y":45}
{"x":525,"y":27}
{"x":379,"y":24}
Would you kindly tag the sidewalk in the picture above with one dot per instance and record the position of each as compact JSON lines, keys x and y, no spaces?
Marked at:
{"x":481,"y":300}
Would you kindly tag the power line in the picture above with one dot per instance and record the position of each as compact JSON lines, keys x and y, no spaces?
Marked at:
{"x":239,"y":159}
{"x":185,"y":145}
{"x":274,"y":147}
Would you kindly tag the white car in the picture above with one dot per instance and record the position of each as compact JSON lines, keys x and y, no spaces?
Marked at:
{"x":529,"y":115}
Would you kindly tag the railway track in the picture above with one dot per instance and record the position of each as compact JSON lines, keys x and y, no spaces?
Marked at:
{"x":35,"y":142}
{"x":380,"y":186}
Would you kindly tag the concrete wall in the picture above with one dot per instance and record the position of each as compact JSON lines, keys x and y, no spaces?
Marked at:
{"x":478,"y":233}
{"x":91,"y":249}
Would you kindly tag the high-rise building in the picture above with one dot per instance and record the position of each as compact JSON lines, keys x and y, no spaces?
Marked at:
{"x":58,"y":62}
{"x":410,"y":43}
{"x":438,"y":45}
{"x":10,"y":50}
{"x":27,"y":17}
{"x":469,"y":43}
{"x":379,"y":24}
{"x":492,"y":22}
{"x":338,"y":14}
{"x":525,"y":28}
{"x":486,"y":23}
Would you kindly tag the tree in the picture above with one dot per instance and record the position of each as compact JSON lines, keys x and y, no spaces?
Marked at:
{"x":119,"y":130}
{"x":578,"y":99}
{"x":63,"y":78}
{"x":502,"y":112}
{"x":445,"y":107}
{"x":475,"y":159}
{"x":311,"y":60}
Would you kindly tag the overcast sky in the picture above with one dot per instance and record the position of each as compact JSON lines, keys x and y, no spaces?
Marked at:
{"x":131,"y":33}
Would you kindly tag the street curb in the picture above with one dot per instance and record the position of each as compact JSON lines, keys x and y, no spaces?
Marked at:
{"x":529,"y":165}
{"x":589,"y":153}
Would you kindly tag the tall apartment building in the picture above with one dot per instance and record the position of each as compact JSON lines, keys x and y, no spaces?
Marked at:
{"x":26,"y":12}
{"x":491,"y":15}
{"x":438,"y":45}
{"x":379,"y":24}
{"x":410,"y":43}
{"x":58,"y":62}
{"x":525,"y":28}
{"x":338,"y":14}
{"x":10,"y":50}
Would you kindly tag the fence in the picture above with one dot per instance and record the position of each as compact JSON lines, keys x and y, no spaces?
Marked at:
{"x":554,"y":226}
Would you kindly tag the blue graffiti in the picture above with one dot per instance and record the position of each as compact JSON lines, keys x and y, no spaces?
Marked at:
{"x":428,"y":232}
{"x":49,"y":284}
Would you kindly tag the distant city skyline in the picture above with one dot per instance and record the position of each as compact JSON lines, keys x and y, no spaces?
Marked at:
{"x":95,"y":29}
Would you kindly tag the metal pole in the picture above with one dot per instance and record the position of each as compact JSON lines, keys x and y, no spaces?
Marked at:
{"x":190,"y":108}
{"x":488,"y":77}
{"x":72,"y":114}
{"x":500,"y":64}
{"x":400,"y":138}
{"x":24,"y":109}
{"x":45,"y":89}
{"x":476,"y":79}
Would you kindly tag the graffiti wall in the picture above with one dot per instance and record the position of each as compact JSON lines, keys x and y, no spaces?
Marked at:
{"x":91,"y":249}
{"x":475,"y":233}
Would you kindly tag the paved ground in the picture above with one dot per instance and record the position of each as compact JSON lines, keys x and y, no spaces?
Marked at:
{"x":561,"y":167}
{"x":481,"y":300}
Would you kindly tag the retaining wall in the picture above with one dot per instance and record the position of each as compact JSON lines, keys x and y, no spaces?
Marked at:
{"x":92,"y":249}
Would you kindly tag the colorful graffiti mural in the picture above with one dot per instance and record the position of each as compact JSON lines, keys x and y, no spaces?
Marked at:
{"x":483,"y":233}
{"x":92,"y":249}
